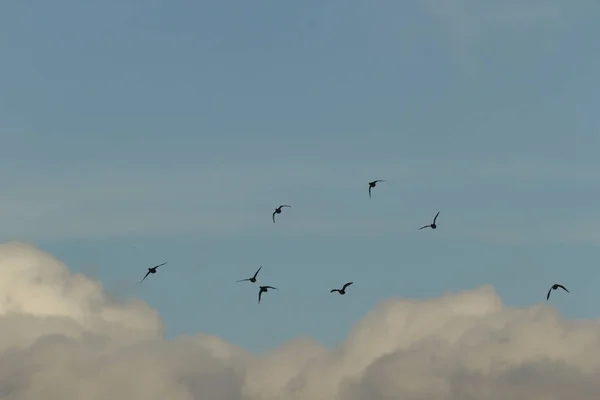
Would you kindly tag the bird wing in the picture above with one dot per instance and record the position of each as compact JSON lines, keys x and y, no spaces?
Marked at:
{"x":423,"y":227}
{"x":334,"y":290}
{"x":256,"y":273}
{"x":346,"y":285}
{"x":147,"y":273}
{"x":284,"y":205}
{"x":242,"y":280}
{"x":160,"y":265}
{"x":369,"y":191}
{"x":548,"y":295}
{"x":380,"y":180}
{"x":436,"y":215}
{"x":259,"y":295}
{"x":274,"y":212}
{"x":271,"y":287}
{"x":562,"y":287}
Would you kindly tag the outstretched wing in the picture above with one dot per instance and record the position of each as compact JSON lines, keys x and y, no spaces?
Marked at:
{"x":147,"y":273}
{"x":284,"y":205}
{"x":259,"y":295}
{"x":160,"y":265}
{"x":380,"y":180}
{"x":369,"y":191}
{"x":436,"y":215}
{"x":256,"y":273}
{"x":548,"y":295}
{"x":334,"y":290}
{"x":423,"y":227}
{"x":346,"y":285}
{"x":274,"y":212}
{"x":242,"y":280}
{"x":270,"y":287}
{"x":564,"y":288}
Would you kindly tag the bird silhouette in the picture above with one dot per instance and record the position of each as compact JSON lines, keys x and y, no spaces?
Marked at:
{"x":278,"y":211}
{"x":433,"y":225}
{"x":343,"y":289}
{"x":264,"y":289}
{"x":554,"y":287}
{"x":253,"y":279}
{"x":152,"y":271}
{"x":373,"y":184}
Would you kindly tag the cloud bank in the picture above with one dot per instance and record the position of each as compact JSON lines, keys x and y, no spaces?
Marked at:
{"x":63,"y":338}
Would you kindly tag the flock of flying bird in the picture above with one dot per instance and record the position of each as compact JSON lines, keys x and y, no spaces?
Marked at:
{"x":342,"y":290}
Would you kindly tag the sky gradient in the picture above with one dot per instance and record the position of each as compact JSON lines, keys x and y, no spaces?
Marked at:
{"x":140,"y":132}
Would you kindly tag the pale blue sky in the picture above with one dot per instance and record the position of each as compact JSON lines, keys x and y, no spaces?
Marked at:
{"x":137,"y":132}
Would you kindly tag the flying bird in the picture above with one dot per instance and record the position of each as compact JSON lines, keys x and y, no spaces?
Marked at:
{"x":264,"y":289}
{"x":554,"y":287}
{"x":373,"y":184}
{"x":152,"y":271}
{"x":433,"y":225}
{"x":253,"y":279}
{"x":343,"y":289}
{"x":278,"y":211}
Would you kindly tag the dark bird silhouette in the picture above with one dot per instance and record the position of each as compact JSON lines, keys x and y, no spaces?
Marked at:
{"x":433,"y":225}
{"x":554,"y":287}
{"x":264,"y":289}
{"x":373,"y":184}
{"x":253,"y":279}
{"x":343,"y":289}
{"x":278,"y":211}
{"x":152,"y":271}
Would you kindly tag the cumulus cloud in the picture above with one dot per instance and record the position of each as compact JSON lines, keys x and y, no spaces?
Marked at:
{"x":64,"y":338}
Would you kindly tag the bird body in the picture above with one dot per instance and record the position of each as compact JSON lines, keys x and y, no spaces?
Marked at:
{"x":373,"y":184}
{"x":264,"y":289}
{"x":554,"y":287}
{"x":278,"y":211}
{"x":152,"y":270}
{"x":342,"y":291}
{"x":253,"y":278}
{"x":432,"y":225}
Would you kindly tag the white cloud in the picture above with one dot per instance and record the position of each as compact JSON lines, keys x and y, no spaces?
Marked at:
{"x":64,"y":338}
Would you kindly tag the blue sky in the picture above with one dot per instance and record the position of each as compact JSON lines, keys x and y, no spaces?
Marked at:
{"x":140,"y":132}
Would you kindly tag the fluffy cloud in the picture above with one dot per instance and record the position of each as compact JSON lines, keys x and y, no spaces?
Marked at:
{"x":64,"y":338}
